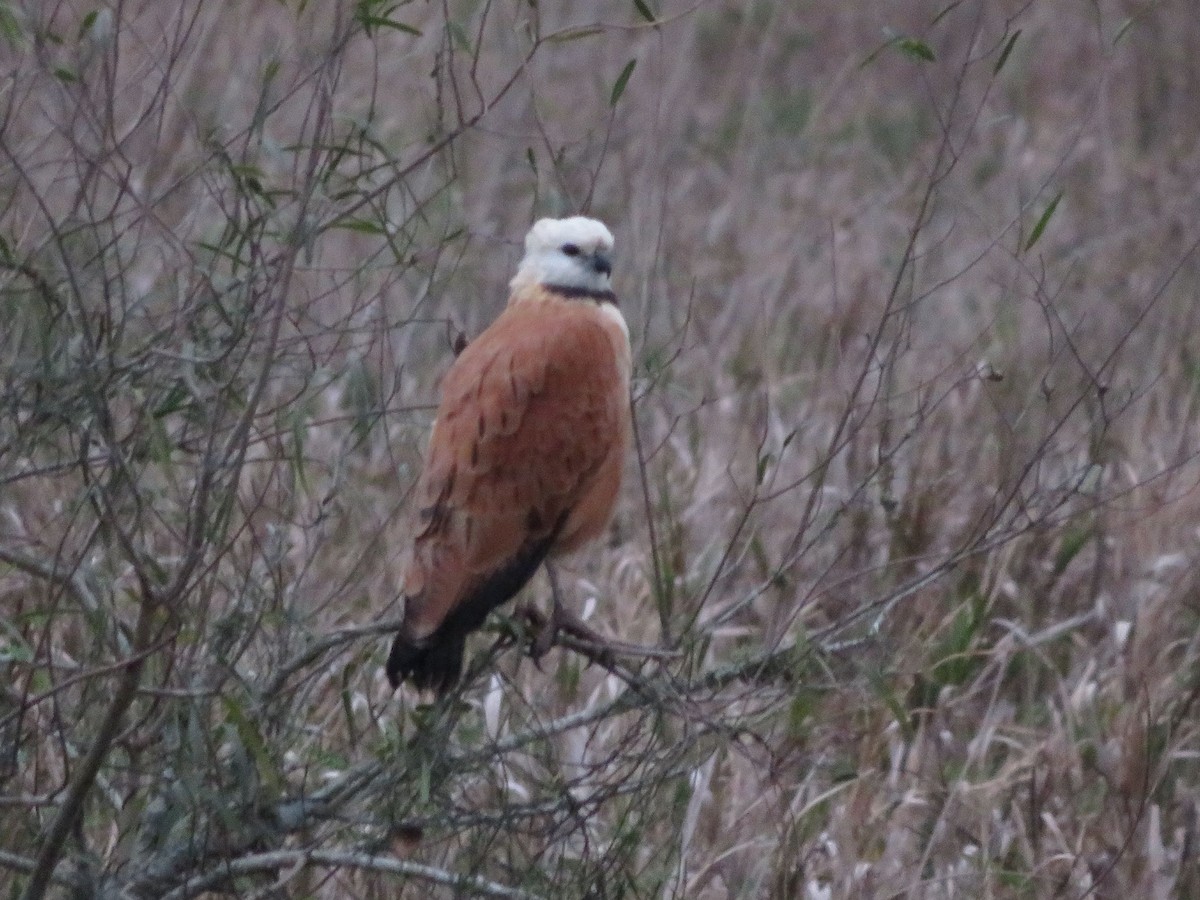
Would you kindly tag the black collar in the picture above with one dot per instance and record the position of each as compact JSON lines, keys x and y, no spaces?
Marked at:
{"x":582,"y":293}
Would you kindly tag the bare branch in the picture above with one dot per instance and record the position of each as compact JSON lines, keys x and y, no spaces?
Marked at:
{"x":291,"y":860}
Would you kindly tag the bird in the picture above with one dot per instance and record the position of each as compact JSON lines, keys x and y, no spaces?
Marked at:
{"x":526,"y":455}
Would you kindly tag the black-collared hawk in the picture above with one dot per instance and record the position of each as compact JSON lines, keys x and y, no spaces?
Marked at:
{"x":526,"y":455}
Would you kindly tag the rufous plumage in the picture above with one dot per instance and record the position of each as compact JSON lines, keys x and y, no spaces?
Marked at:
{"x":525,"y":459}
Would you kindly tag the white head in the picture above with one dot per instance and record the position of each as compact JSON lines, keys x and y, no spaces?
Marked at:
{"x":570,"y":253}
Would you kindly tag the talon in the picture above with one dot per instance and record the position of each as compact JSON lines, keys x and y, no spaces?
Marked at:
{"x":542,"y":632}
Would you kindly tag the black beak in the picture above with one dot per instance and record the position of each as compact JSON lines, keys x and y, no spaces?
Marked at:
{"x":601,"y":264}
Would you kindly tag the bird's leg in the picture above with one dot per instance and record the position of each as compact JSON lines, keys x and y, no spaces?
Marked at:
{"x":561,"y":620}
{"x":544,"y":639}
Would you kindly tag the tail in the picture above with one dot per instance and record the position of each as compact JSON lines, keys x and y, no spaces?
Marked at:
{"x":435,"y":663}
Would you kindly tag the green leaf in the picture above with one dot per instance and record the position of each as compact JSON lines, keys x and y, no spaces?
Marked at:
{"x":62,"y":73}
{"x":1043,"y":221}
{"x":175,"y":400}
{"x":764,"y":463}
{"x":1008,"y":49}
{"x":909,"y":46}
{"x":10,"y":26}
{"x":918,"y":50}
{"x":372,"y":17}
{"x":622,"y":80}
{"x":246,"y":171}
{"x":398,"y":26}
{"x":459,"y":35}
{"x":646,"y":12}
{"x":575,"y":34}
{"x":299,"y":426}
{"x":1073,"y":541}
{"x":956,"y":657}
{"x":86,"y":25}
{"x":362,"y":226}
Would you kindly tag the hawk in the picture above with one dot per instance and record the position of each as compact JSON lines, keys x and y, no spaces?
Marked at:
{"x":526,"y":455}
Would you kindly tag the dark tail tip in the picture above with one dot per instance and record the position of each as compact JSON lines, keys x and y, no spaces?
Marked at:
{"x":435,"y":664}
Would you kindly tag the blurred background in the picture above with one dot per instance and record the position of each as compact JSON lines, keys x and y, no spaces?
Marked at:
{"x":912,"y":293}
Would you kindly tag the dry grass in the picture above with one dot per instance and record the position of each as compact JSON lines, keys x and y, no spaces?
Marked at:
{"x":915,"y":492}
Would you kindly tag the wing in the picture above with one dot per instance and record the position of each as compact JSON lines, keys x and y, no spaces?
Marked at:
{"x":530,"y":413}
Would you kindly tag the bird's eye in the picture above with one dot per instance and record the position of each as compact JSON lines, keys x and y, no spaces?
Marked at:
{"x":570,"y":249}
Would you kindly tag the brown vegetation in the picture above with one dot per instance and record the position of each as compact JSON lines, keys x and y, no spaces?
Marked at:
{"x":913,"y":289}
